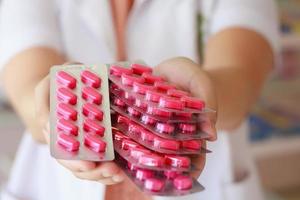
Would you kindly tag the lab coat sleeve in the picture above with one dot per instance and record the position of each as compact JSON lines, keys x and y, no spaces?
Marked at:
{"x":25,"y":24}
{"x":257,"y":15}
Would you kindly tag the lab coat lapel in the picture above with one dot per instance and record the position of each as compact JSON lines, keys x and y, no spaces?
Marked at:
{"x":97,"y":16}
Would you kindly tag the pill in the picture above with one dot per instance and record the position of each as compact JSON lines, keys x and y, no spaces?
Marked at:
{"x":147,"y":135}
{"x":66,"y":79}
{"x":178,"y":161}
{"x":91,"y":95}
{"x":92,"y":111}
{"x":187,"y":115}
{"x":153,"y":96}
{"x":133,"y":112}
{"x":67,"y":127}
{"x":123,"y":120}
{"x":192,"y":144}
{"x":128,"y":144}
{"x":130,"y":79}
{"x":67,"y":111}
{"x":67,"y":96}
{"x":140,"y":69}
{"x":128,"y":96}
{"x":183,"y":182}
{"x":117,"y":70}
{"x":177,"y":93}
{"x":187,"y":128}
{"x":131,"y":166}
{"x":165,"y":128}
{"x":94,"y":143}
{"x":151,"y":79}
{"x":91,"y":79}
{"x":137,"y":152}
{"x":161,"y":112}
{"x":148,"y":120}
{"x":161,"y":143}
{"x":192,"y":102}
{"x":171,"y":174}
{"x":92,"y":126}
{"x":170,"y":102}
{"x":134,"y":128}
{"x":119,"y":102}
{"x":69,"y":143}
{"x":141,"y":88}
{"x":163,"y":86}
{"x":120,"y":137}
{"x":140,"y":103}
{"x":154,"y":184}
{"x":142,"y":174}
{"x":152,"y":160}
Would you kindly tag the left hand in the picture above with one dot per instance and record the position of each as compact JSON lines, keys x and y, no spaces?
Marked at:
{"x":189,"y":76}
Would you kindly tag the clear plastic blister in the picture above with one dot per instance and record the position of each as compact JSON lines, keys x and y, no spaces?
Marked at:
{"x":80,"y":122}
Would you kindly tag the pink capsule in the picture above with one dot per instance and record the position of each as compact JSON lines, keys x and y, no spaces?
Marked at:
{"x":147,"y":135}
{"x":165,"y":128}
{"x":161,"y":143}
{"x":120,"y":137}
{"x":128,"y":144}
{"x":187,"y":115}
{"x":118,"y":70}
{"x":192,"y":102}
{"x":152,"y":110}
{"x":134,"y":128}
{"x":67,"y":96}
{"x":91,"y":95}
{"x":151,"y":79}
{"x":171,"y":174}
{"x":163,"y":86}
{"x":140,"y":69}
{"x":69,"y":143}
{"x":183,"y":182}
{"x":152,"y":160}
{"x":192,"y":144}
{"x":133,"y":112}
{"x":128,"y":96}
{"x":146,"y":119}
{"x":66,"y":79}
{"x":137,"y":152}
{"x":123,"y":120}
{"x":92,"y":126}
{"x":153,"y":96}
{"x":130,"y":79}
{"x":177,"y":93}
{"x":67,"y":111}
{"x":187,"y":128}
{"x":91,"y":79}
{"x":154,"y":184}
{"x":141,"y":88}
{"x":119,"y":102}
{"x":142,"y":174}
{"x":140,"y":103}
{"x":131,"y":166}
{"x":67,"y":127}
{"x":94,"y":143}
{"x":170,"y":102}
{"x":92,"y":111}
{"x":178,"y":161}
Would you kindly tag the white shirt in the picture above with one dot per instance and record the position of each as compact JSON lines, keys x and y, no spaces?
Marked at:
{"x":83,"y":31}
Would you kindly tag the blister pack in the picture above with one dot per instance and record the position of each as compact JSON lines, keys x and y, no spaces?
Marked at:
{"x":80,"y":122}
{"x":152,"y":173}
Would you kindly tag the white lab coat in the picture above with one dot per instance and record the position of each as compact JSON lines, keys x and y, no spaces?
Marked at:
{"x":157,"y":30}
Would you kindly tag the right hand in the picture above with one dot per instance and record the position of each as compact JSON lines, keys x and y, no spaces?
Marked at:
{"x":107,"y":173}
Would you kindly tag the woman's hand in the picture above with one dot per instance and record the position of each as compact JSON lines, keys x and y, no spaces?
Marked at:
{"x":189,"y":76}
{"x":107,"y":173}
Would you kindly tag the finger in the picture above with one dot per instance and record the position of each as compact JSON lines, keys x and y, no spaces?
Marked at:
{"x":78,"y":165}
{"x":103,"y":171}
{"x":199,"y":161}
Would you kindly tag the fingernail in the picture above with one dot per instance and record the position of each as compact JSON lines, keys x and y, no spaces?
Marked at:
{"x":106,"y":174}
{"x":117,"y":179}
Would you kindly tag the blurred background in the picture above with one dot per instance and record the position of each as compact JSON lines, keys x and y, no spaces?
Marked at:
{"x":275,"y":120}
